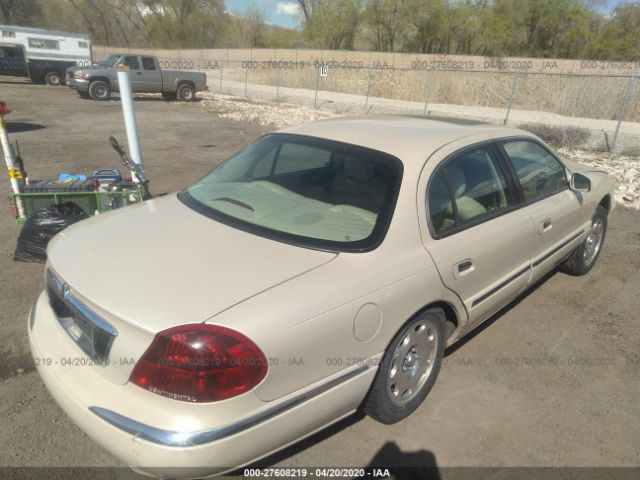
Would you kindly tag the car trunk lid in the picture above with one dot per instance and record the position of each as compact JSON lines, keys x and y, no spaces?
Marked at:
{"x":160,"y":264}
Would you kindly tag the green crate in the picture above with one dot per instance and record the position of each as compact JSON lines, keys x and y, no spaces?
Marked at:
{"x":90,"y":202}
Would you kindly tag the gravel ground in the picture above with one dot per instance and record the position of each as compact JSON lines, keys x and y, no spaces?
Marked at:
{"x":551,"y":381}
{"x":625,"y":170}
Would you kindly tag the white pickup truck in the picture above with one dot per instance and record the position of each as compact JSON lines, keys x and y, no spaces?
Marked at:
{"x":98,"y":81}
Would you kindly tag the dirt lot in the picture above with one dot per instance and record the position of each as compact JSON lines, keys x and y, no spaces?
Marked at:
{"x":552,"y":381}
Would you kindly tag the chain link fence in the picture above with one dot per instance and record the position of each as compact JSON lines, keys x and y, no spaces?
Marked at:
{"x":585,"y":104}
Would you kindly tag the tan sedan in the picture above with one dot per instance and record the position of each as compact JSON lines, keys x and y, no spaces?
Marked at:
{"x":320,"y":270}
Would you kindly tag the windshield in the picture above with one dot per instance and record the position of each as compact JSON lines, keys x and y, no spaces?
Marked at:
{"x":304,"y":190}
{"x":110,"y":60}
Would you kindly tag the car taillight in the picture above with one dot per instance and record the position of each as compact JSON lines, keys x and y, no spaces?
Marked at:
{"x":200,"y":363}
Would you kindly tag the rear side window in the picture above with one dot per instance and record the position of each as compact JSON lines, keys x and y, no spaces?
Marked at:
{"x":132,"y":63}
{"x":148,"y":63}
{"x":466,"y":189}
{"x":539,"y":173}
{"x":82,"y":44}
{"x":44,"y":43}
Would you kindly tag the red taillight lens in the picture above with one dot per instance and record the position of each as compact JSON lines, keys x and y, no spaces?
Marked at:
{"x":200,"y":363}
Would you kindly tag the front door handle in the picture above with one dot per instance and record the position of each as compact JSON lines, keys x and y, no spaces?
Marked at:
{"x":547,"y":225}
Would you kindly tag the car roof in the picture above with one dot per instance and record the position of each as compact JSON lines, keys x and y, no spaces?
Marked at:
{"x":403,"y":136}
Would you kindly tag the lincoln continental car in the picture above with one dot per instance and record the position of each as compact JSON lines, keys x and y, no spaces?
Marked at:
{"x":321,"y":270}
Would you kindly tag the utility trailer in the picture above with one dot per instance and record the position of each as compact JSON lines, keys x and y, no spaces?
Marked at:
{"x":42,"y":55}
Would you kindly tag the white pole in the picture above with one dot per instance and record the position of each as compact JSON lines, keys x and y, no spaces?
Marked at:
{"x":12,"y":166}
{"x":126,"y":98}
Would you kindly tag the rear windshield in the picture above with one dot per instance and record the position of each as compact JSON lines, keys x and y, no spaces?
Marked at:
{"x":314,"y":192}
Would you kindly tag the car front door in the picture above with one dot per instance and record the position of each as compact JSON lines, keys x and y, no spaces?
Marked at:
{"x":553,"y":207}
{"x":477,"y":236}
{"x":135,"y":72}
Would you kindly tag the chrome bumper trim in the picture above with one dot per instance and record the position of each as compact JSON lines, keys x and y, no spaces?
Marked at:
{"x":186,"y":439}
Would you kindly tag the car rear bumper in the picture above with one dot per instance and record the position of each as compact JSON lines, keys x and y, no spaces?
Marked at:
{"x":166,"y":437}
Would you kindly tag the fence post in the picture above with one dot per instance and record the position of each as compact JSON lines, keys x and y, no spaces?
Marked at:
{"x":221,"y":77}
{"x":623,"y":110}
{"x":366,"y":102}
{"x":514,"y":82}
{"x":246,"y":79}
{"x":315,"y":100}
{"x":427,"y":96}
{"x":278,"y":85}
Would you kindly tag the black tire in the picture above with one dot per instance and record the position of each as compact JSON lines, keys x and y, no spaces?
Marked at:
{"x":186,"y":92}
{"x":99,"y":90}
{"x":390,"y":399}
{"x":584,"y":257}
{"x":169,"y":96}
{"x":53,"y":78}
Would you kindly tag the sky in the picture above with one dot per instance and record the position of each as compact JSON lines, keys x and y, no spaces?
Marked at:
{"x":285,"y":13}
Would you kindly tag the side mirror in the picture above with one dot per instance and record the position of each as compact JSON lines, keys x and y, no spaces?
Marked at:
{"x":580,"y":183}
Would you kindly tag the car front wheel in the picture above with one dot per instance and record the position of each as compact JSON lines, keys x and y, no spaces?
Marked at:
{"x":99,"y":90}
{"x":584,"y":257}
{"x":409,"y":368}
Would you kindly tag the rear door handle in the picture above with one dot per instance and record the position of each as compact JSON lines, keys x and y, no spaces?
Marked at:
{"x":463,"y":268}
{"x":547,"y":225}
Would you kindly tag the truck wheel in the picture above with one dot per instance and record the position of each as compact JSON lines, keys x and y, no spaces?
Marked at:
{"x":53,"y":78}
{"x":186,"y":93}
{"x":99,"y":90}
{"x":169,"y":96}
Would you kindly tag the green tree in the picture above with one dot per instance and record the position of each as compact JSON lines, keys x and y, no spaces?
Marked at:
{"x":20,"y":12}
{"x":330,"y":24}
{"x":388,"y":22}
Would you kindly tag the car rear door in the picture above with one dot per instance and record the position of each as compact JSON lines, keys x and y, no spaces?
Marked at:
{"x":478,"y":237}
{"x":151,"y":75}
{"x":553,"y":207}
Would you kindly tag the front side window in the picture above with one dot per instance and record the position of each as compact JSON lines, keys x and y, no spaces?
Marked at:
{"x":44,"y":43}
{"x":311,"y":191}
{"x":538,"y":172}
{"x":466,"y":189}
{"x":82,"y":44}
{"x":8,"y":34}
{"x":110,"y":61}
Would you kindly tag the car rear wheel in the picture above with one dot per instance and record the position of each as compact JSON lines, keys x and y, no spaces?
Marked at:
{"x":186,"y":93}
{"x":409,"y":368}
{"x":584,"y":257}
{"x":99,"y":90}
{"x":53,"y":78}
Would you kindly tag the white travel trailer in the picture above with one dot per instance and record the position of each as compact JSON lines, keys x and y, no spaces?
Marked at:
{"x":41,"y":55}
